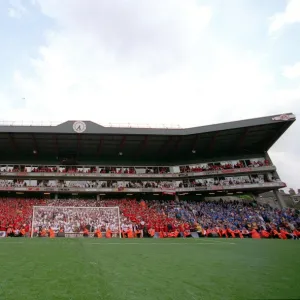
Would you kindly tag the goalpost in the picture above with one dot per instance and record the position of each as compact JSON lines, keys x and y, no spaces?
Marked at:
{"x":71,"y":217}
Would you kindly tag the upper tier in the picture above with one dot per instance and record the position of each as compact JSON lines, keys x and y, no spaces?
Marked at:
{"x":247,"y":166}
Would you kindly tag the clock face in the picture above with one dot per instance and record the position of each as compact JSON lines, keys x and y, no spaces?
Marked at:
{"x":79,"y":126}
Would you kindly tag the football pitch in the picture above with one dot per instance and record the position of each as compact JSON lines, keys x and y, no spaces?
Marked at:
{"x":149,"y":269}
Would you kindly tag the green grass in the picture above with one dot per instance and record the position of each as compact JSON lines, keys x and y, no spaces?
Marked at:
{"x":149,"y":269}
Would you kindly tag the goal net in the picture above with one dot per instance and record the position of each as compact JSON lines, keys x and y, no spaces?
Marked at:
{"x":73,"y":220}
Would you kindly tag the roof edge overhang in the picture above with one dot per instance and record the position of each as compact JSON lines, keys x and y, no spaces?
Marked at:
{"x":94,"y":128}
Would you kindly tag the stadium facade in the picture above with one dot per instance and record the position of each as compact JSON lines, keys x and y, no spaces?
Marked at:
{"x":85,"y":159}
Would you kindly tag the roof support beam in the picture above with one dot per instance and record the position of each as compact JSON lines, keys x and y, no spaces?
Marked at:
{"x":12,"y":142}
{"x":213,"y":141}
{"x":142,"y":146}
{"x":35,"y":145}
{"x":78,"y":144}
{"x":55,"y":144}
{"x":176,"y":146}
{"x":122,"y":144}
{"x":243,"y":137}
{"x":99,"y":148}
{"x":195,"y":141}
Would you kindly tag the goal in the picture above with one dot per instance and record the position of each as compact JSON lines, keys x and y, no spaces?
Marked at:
{"x":73,"y":219}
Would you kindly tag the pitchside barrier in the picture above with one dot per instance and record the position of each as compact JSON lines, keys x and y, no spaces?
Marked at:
{"x":70,"y":218}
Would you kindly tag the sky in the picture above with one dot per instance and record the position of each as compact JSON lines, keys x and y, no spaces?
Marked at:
{"x":187,"y":63}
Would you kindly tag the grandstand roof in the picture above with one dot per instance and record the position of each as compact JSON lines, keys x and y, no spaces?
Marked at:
{"x":86,"y":141}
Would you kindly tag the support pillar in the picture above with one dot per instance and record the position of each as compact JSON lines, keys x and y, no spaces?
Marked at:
{"x":279,"y":198}
{"x":56,"y":196}
{"x":98,"y":197}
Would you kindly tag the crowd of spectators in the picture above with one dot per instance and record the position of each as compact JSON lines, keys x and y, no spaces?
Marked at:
{"x":138,"y":170}
{"x":12,"y":183}
{"x":74,"y":220}
{"x":217,"y":181}
{"x":225,"y":181}
{"x":224,"y":166}
{"x":168,"y":219}
{"x":235,"y":214}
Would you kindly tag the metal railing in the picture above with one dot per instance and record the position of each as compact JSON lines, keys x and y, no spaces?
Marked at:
{"x":28,"y":123}
{"x":114,"y":125}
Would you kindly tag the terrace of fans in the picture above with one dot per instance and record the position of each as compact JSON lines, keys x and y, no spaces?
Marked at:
{"x":224,"y":176}
{"x":154,"y":218}
{"x":195,"y":168}
{"x":223,"y":181}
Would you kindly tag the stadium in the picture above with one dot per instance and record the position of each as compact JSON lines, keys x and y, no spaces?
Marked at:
{"x":127,"y":207}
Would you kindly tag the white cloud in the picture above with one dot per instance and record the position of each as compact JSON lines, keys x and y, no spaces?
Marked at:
{"x":292,"y":72}
{"x":14,"y":13}
{"x":288,"y":167}
{"x":143,"y":64}
{"x":289,"y":16}
{"x":16,"y":9}
{"x":100,"y":88}
{"x":116,"y":54}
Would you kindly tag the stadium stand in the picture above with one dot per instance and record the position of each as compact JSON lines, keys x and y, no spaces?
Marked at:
{"x":81,"y":178}
{"x":196,"y":168}
{"x":166,"y":218}
{"x":191,"y":182}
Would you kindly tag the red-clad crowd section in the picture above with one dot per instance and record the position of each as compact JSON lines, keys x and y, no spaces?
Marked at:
{"x":16,"y":212}
{"x":164,"y":218}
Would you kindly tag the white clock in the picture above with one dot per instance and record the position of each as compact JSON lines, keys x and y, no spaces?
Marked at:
{"x":79,"y":126}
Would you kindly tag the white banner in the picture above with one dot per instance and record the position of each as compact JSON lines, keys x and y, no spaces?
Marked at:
{"x":2,"y":234}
